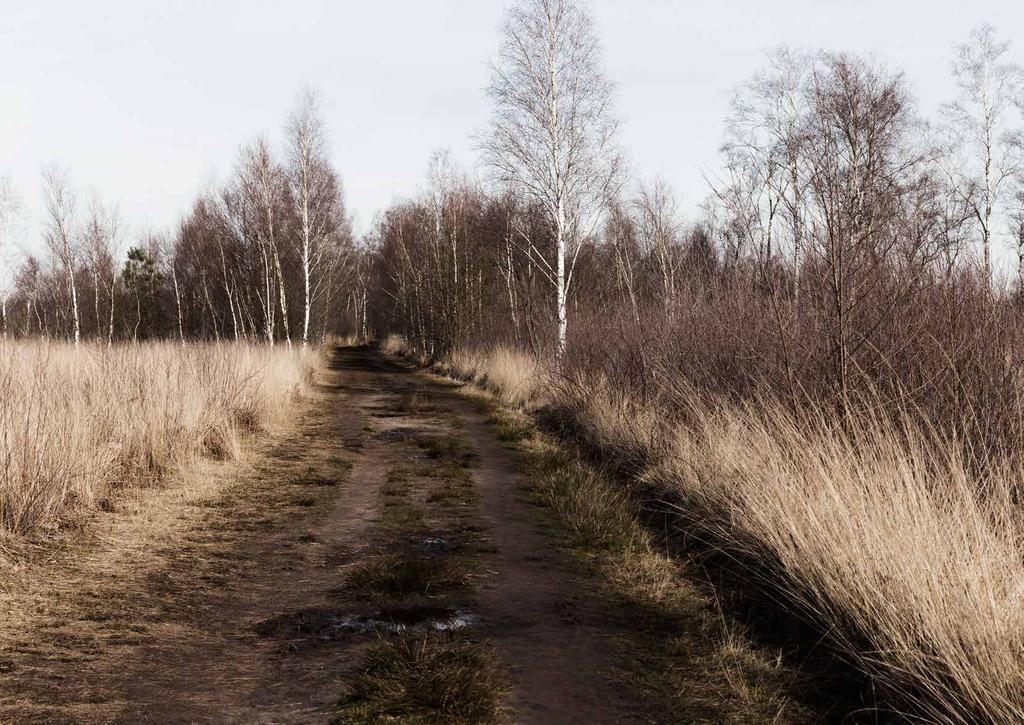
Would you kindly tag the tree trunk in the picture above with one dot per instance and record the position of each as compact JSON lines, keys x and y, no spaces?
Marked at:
{"x":177,"y":302}
{"x":96,"y":302}
{"x":305,"y":272}
{"x":110,"y":329}
{"x":283,"y":298}
{"x":74,"y":304}
{"x":560,"y":281}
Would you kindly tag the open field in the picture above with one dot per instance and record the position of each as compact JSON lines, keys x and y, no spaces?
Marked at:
{"x":395,"y":552}
{"x":457,"y":554}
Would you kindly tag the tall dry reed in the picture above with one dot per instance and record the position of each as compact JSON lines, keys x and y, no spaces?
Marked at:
{"x":880,"y":530}
{"x":76,"y":424}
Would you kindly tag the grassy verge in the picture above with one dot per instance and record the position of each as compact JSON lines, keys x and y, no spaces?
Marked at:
{"x":877,"y":539}
{"x":681,"y":653}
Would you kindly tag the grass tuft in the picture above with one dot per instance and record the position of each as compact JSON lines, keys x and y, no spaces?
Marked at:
{"x":438,"y":678}
{"x":404,"y":574}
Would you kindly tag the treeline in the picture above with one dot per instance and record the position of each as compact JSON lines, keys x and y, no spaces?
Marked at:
{"x":266,"y":256}
{"x":847,"y":252}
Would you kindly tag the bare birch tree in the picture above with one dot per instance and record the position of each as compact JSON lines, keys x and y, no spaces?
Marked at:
{"x":660,"y":231}
{"x":979,"y":123}
{"x":102,"y":247}
{"x":9,"y":209}
{"x":1016,"y":217}
{"x":60,"y":233}
{"x":553,"y":133}
{"x":765,"y":154}
{"x":262,"y":184}
{"x":621,"y":235}
{"x":314,"y":192}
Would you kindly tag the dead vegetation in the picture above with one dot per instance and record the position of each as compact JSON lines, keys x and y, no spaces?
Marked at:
{"x":425,"y":679}
{"x":80,"y":424}
{"x":822,"y":374}
{"x":881,"y":534}
{"x":685,"y":655}
{"x":406,"y":573}
{"x":423,"y":667}
{"x":878,"y":533}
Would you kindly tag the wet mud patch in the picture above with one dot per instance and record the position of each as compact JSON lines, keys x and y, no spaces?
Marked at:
{"x":399,"y":434}
{"x":323,"y":625}
{"x":435,"y":544}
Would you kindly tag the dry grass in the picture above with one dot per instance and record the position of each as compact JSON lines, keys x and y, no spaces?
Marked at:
{"x":418,"y":679}
{"x":404,"y":574}
{"x":596,"y":514}
{"x":396,"y":345}
{"x":877,"y":531}
{"x":76,"y":425}
{"x":517,"y":378}
{"x":681,"y":653}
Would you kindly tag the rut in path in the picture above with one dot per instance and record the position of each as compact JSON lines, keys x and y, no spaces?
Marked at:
{"x":233,"y":602}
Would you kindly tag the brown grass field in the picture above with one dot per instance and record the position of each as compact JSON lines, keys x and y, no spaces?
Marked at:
{"x":79,"y":425}
{"x":879,"y":533}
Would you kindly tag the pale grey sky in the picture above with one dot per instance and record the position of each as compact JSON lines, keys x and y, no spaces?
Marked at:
{"x":147,"y":101}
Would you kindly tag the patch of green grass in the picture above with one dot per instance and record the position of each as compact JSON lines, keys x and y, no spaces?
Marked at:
{"x":432,"y":679}
{"x":458,"y":490}
{"x":595,"y":514}
{"x":342,"y":465}
{"x":400,"y":515}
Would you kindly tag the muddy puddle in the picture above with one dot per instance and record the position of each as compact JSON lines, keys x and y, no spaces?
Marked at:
{"x":329,"y":624}
{"x":433,"y":545}
{"x":399,"y":434}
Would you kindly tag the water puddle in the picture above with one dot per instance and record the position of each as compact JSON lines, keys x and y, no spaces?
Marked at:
{"x":433,"y":545}
{"x":328,"y":625}
{"x":398,"y":434}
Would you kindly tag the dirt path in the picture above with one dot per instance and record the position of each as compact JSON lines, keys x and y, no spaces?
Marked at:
{"x":549,"y":626}
{"x":256,"y":594}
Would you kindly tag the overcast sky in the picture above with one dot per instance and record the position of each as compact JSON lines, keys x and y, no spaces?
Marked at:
{"x":145,"y":102}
